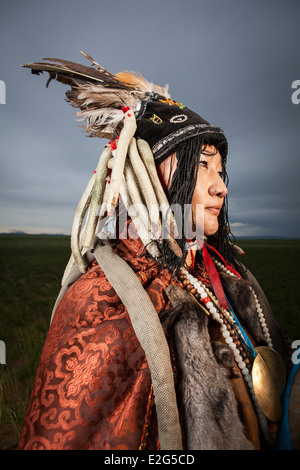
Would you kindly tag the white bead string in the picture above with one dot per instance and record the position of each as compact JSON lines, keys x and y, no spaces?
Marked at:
{"x":204,"y":293}
{"x":259,"y":310}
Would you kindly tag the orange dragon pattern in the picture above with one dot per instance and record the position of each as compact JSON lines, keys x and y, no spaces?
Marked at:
{"x":93,"y":383}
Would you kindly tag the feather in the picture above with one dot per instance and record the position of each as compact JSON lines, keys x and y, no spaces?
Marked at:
{"x":73,"y":74}
{"x":98,"y":120}
{"x":91,"y":59}
{"x":138,"y":81}
{"x":99,"y":95}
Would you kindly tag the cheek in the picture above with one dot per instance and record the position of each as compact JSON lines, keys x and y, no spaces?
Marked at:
{"x":198,"y":196}
{"x":201,"y":188}
{"x":198,"y":202}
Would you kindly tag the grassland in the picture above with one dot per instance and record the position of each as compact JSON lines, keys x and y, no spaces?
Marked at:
{"x":31,"y":270}
{"x":275,"y":265}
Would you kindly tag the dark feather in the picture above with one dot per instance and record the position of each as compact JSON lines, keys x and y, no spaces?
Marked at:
{"x":98,"y":94}
{"x":72,"y":73}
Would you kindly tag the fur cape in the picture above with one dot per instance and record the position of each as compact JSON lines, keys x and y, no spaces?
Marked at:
{"x":207,"y":405}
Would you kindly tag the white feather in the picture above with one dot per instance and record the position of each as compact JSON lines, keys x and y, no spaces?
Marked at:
{"x":96,"y":119}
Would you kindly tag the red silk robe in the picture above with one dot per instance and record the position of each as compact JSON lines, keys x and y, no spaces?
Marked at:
{"x":93,"y":385}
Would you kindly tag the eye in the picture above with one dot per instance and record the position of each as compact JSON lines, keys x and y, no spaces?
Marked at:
{"x":203,"y":163}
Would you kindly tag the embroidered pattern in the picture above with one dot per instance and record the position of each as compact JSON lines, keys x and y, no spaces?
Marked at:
{"x":179,"y":118}
{"x":185,"y":132}
{"x":91,"y":386}
{"x":156,"y":119}
{"x":172,"y":103}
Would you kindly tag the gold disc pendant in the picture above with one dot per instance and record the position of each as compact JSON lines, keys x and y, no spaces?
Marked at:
{"x":268,"y":377}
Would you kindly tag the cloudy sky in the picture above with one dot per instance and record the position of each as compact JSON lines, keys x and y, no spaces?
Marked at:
{"x":232,"y":61}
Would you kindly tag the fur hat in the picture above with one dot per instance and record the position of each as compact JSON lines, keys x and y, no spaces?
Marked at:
{"x":165,"y":124}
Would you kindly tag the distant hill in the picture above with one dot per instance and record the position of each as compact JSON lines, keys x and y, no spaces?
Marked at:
{"x":20,"y":232}
{"x":265,"y":237}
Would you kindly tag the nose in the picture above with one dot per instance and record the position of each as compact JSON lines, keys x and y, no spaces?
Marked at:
{"x":218,"y":187}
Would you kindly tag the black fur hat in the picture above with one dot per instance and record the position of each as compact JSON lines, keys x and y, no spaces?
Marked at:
{"x":165,"y":124}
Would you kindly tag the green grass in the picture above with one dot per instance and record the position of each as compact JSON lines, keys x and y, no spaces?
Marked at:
{"x":32,"y":267}
{"x":275,"y":263}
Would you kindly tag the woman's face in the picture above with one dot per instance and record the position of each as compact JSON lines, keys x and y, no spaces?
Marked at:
{"x":210,"y":189}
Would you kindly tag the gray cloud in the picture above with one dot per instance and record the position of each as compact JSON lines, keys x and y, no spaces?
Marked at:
{"x":232,"y":62}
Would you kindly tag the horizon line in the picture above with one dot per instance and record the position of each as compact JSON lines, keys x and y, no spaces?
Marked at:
{"x":61,"y":234}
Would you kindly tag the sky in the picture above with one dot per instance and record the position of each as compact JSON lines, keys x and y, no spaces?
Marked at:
{"x":234,"y":62}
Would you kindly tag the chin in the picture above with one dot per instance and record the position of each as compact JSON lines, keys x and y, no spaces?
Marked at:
{"x":210,"y":229}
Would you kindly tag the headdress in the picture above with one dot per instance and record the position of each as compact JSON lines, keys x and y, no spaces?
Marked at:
{"x":144,"y":126}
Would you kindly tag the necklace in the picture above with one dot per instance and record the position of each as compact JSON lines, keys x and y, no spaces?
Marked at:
{"x":257,"y":305}
{"x":268,"y":370}
{"x":231,"y":332}
{"x":262,"y":367}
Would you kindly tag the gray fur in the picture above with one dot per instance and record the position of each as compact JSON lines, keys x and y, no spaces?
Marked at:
{"x":225,"y":357}
{"x":243,"y":303}
{"x":206,"y":400}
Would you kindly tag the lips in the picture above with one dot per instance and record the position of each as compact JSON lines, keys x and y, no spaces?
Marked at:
{"x":214,"y":209}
